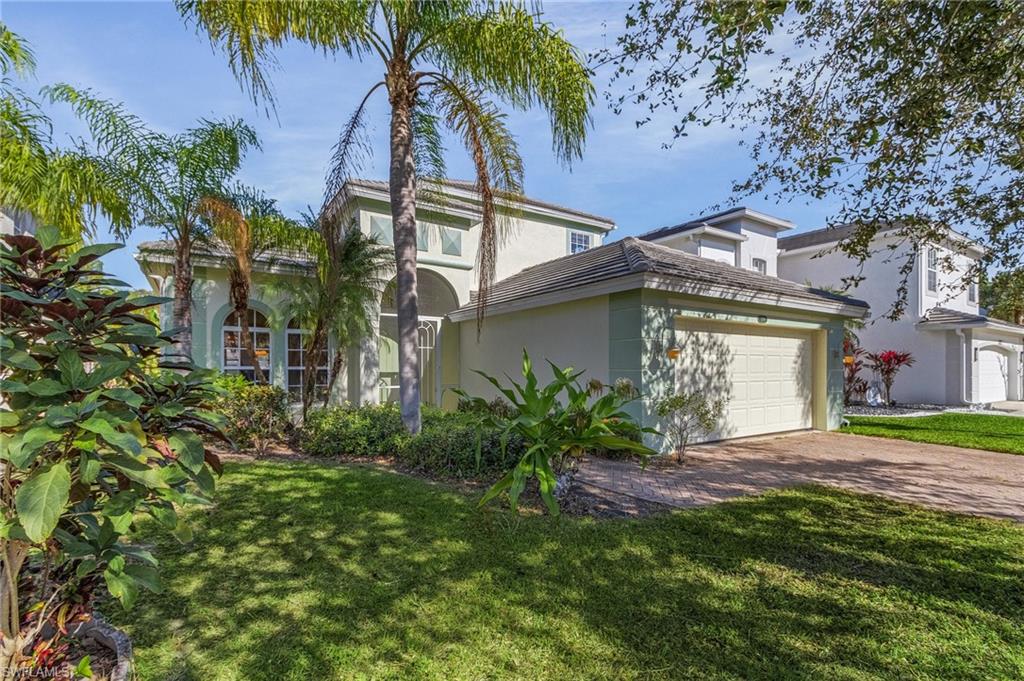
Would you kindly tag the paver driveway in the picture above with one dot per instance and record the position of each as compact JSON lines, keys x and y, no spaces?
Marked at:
{"x":965,"y":480}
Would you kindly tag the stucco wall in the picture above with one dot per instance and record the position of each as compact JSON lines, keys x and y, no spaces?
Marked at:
{"x":569,"y":334}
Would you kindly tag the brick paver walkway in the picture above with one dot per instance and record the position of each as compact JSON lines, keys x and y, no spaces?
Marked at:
{"x":965,"y":480}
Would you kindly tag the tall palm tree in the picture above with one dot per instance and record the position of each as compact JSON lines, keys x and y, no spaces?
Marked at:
{"x":166,"y":177}
{"x":442,"y":62}
{"x":339,"y":302}
{"x":250,"y":225}
{"x":65,"y":188}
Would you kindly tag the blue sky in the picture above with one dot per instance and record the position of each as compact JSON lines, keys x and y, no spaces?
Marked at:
{"x":142,"y":54}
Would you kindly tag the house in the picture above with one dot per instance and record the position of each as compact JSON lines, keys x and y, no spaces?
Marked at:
{"x":962,"y":356}
{"x":695,"y":306}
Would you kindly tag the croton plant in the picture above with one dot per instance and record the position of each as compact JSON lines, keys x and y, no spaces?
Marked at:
{"x":96,"y":428}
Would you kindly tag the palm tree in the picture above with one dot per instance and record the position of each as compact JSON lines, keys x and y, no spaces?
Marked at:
{"x":339,"y":302}
{"x":250,"y":225}
{"x":65,"y":188}
{"x":442,"y":63}
{"x":166,"y":178}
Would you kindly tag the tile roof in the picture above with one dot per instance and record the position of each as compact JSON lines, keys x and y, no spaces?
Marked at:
{"x":293,"y":258}
{"x":943,"y":316}
{"x":633,"y":256}
{"x":470,"y":186}
{"x":707,"y":220}
{"x":819,"y":237}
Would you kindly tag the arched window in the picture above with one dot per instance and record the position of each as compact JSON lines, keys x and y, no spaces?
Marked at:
{"x":236,"y":359}
{"x":297,"y":365}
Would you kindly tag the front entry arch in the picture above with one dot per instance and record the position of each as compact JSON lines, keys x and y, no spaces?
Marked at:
{"x":436,"y":299}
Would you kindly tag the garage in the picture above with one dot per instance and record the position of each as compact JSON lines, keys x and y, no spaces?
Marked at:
{"x":993,"y":375}
{"x":765,"y":374}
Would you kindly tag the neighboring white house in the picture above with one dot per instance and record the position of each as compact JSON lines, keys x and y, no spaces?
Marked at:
{"x":691,"y":307}
{"x":962,"y":356}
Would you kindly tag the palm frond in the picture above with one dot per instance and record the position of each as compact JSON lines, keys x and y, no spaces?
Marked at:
{"x":507,"y":51}
{"x":15,"y":54}
{"x":349,"y":153}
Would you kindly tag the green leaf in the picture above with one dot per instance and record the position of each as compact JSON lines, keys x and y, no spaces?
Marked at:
{"x":41,"y":499}
{"x":8,"y":419}
{"x":9,"y":386}
{"x":145,"y":575}
{"x":102,"y":426}
{"x":83,"y":668}
{"x":19,"y":359}
{"x":124,"y":395}
{"x":189,"y":448}
{"x":72,"y":370}
{"x":88,"y":469}
{"x":138,"y":471}
{"x":21,"y":448}
{"x":94,"y":250}
{"x":182,"y":532}
{"x":46,"y":387}
{"x":120,"y":585}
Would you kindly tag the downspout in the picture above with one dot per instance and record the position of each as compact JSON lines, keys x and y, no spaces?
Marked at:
{"x":966,"y":357}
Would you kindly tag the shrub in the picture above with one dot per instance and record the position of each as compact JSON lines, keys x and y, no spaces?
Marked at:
{"x":854,"y":387}
{"x":557,"y":422}
{"x":92,"y":433}
{"x":689,"y":415}
{"x":256,"y":415}
{"x":353,"y":431}
{"x":459,"y":445}
{"x":886,"y":365}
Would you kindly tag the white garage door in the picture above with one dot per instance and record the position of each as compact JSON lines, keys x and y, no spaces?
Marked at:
{"x":993,"y":374}
{"x":765,"y":374}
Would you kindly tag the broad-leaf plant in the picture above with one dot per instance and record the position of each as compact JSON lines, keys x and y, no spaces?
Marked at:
{"x":558,"y":423}
{"x":95,"y":429}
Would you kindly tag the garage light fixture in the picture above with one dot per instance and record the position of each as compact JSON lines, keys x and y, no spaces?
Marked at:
{"x":762,"y":319}
{"x":673,"y":352}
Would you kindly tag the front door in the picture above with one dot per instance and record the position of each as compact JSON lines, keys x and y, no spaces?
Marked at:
{"x":428,"y":338}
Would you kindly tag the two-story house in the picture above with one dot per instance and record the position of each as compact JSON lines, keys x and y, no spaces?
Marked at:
{"x":962,"y":356}
{"x":694,"y":307}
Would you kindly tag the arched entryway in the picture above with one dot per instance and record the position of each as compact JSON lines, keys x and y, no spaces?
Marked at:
{"x":436,"y":299}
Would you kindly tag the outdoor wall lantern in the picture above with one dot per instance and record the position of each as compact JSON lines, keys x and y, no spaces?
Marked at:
{"x":761,"y":319}
{"x":673,"y":352}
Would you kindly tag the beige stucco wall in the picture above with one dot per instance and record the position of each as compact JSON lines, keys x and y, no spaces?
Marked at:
{"x":569,"y":334}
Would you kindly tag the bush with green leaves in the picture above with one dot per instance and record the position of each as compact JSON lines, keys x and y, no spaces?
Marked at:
{"x":347,"y":430}
{"x":92,"y":434}
{"x":256,"y":415}
{"x":460,"y":445}
{"x":557,"y":423}
{"x":689,"y":415}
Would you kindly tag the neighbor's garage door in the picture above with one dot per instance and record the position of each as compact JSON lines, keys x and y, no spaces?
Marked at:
{"x":766,"y":375}
{"x":993,"y":376}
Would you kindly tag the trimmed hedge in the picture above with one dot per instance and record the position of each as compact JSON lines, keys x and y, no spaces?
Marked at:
{"x":446,"y":445}
{"x":256,"y":415}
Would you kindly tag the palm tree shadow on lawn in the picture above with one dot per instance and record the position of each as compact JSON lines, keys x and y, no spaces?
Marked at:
{"x":309,"y":572}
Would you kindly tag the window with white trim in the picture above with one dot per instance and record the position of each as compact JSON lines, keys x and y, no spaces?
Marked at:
{"x":760,"y":265}
{"x":580,"y":241}
{"x":235,"y":359}
{"x":296,"y":364}
{"x":972,"y":292}
{"x":933,"y":270}
{"x":451,"y":241}
{"x":380,"y":228}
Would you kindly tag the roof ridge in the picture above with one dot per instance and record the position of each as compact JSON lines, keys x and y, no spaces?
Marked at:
{"x":633,"y":249}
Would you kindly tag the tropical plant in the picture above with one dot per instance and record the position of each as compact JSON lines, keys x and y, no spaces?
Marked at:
{"x":904,"y":115}
{"x":166,"y":177}
{"x":886,"y":365}
{"x":91,"y":435}
{"x":854,"y":387}
{"x":557,"y":423}
{"x":250,"y":225}
{"x":255,"y":415}
{"x":689,"y":415}
{"x":67,"y":188}
{"x":338,"y":302}
{"x":443,"y":62}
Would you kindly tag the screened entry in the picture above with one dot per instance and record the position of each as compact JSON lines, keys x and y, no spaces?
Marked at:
{"x":436,"y":299}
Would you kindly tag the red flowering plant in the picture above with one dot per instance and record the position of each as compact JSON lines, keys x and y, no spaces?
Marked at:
{"x":854,"y":386}
{"x":886,"y":365}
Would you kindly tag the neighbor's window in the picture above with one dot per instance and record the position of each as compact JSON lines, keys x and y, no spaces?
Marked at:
{"x":579,"y":241}
{"x":761,"y":265}
{"x":297,"y":365}
{"x":380,"y":228}
{"x":451,"y":241}
{"x":972,"y":292}
{"x":933,"y":270}
{"x":236,"y":360}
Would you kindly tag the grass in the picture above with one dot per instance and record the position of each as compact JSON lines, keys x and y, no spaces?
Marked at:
{"x":338,"y":572}
{"x":977,"y":431}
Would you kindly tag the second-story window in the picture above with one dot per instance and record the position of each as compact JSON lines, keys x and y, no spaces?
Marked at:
{"x":972,"y":292}
{"x":451,"y":241}
{"x":579,"y":242}
{"x":933,"y":270}
{"x":761,"y":265}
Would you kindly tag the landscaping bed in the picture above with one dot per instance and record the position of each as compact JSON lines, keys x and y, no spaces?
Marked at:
{"x":976,"y":431}
{"x":305,"y":571}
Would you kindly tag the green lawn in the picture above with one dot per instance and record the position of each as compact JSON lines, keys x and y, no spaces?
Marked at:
{"x":979,"y":431}
{"x":318,"y":572}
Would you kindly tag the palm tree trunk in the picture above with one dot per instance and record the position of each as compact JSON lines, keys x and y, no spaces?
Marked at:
{"x":181,"y":311}
{"x":402,"y":185}
{"x":317,"y":344}
{"x":337,"y":363}
{"x":240,"y":297}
